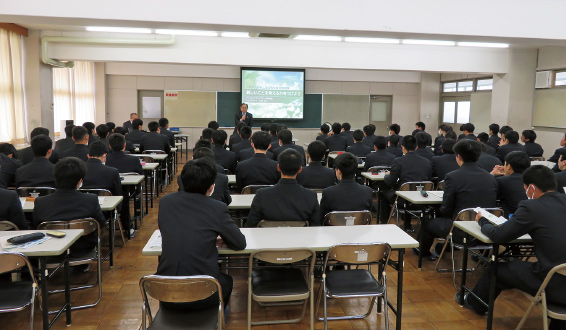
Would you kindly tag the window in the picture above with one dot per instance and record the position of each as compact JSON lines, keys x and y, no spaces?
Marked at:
{"x":463,"y":110}
{"x":449,"y":112}
{"x":449,"y":87}
{"x":486,"y":84}
{"x":466,"y":86}
{"x":560,"y":78}
{"x":73,"y":94}
{"x":12,"y":114}
{"x":456,"y":110}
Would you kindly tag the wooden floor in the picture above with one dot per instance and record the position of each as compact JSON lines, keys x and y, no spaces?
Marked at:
{"x":428,"y":298}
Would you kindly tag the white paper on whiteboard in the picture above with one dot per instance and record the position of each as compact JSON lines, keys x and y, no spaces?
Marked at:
{"x":151,"y":107}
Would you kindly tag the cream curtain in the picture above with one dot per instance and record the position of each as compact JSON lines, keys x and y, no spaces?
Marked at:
{"x":12,"y":114}
{"x":73,"y":94}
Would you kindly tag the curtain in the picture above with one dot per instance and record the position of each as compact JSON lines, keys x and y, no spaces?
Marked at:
{"x":12,"y":114}
{"x":73,"y":94}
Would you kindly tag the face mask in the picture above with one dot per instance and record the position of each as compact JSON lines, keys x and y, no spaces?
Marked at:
{"x":439,"y":132}
{"x":527,"y":192}
{"x":389,"y":133}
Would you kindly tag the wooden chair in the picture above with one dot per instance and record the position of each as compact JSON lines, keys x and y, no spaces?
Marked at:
{"x":347,"y":218}
{"x":181,"y":289}
{"x":280,"y":282}
{"x":354,"y":283}
{"x":252,"y":189}
{"x":17,"y":296}
{"x":272,"y":224}
{"x":548,"y":309}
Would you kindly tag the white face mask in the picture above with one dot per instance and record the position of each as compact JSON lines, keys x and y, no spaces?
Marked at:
{"x":527,"y":193}
{"x":389,"y":133}
{"x":439,"y":132}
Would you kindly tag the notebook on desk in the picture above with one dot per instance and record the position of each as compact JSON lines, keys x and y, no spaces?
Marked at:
{"x":497,"y":221}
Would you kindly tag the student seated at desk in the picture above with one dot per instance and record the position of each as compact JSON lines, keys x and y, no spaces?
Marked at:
{"x":347,"y":133}
{"x":324,"y":131}
{"x":467,"y":187}
{"x":422,"y":149}
{"x":493,"y":138}
{"x":276,"y":144}
{"x":67,"y":203}
{"x":273,"y":129}
{"x":483,"y":138}
{"x":203,"y":143}
{"x":442,"y":165}
{"x":224,"y":158}
{"x":469,"y":131}
{"x":408,"y":168}
{"x":130,"y":148}
{"x":358,"y":149}
{"x":347,"y":195}
{"x":486,"y":161}
{"x":509,"y":183}
{"x":153,"y":140}
{"x":420,"y":126}
{"x":287,"y":200}
{"x":207,"y":134}
{"x":135,"y":135}
{"x":102,"y":132}
{"x":10,"y":164}
{"x":316,"y":176}
{"x":221,"y":189}
{"x":124,"y":163}
{"x":67,"y":142}
{"x":509,"y":143}
{"x":542,"y":217}
{"x":90,"y":128}
{"x":111,"y":126}
{"x":437,"y":145}
{"x":380,"y":157}
{"x":11,"y":209}
{"x":98,"y":175}
{"x":369,"y":131}
{"x":213,"y":124}
{"x":164,"y":130}
{"x":286,"y":142}
{"x":259,"y":169}
{"x":236,"y":138}
{"x":336,"y":142}
{"x":393,"y":146}
{"x":190,"y":223}
{"x":26,"y":155}
{"x":532,"y":149}
{"x":245,"y":143}
{"x":80,"y":149}
{"x":38,"y":173}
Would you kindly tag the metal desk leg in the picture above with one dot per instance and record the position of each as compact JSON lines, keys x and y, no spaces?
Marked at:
{"x":111,"y":237}
{"x":141,"y":203}
{"x":492,"y":285}
{"x":44,"y":292}
{"x":464,"y":268}
{"x":399,"y":289}
{"x":68,"y":288}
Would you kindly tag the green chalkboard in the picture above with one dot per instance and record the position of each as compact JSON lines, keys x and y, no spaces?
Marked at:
{"x":228,"y":103}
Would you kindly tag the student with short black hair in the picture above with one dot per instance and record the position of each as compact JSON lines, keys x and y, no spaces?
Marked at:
{"x":422,"y":149}
{"x":248,"y":153}
{"x":245,"y":142}
{"x":421,"y":127}
{"x":90,"y":127}
{"x":509,"y":182}
{"x":469,"y":129}
{"x":483,"y":138}
{"x":315,"y":175}
{"x":380,"y":156}
{"x":493,"y":137}
{"x":102,"y":131}
{"x":264,"y":127}
{"x":38,"y":173}
{"x":509,"y":143}
{"x":223,"y":157}
{"x":67,"y":142}
{"x":336,"y":142}
{"x":393,"y":146}
{"x":259,"y":169}
{"x":213,"y":124}
{"x":164,"y":130}
{"x":442,"y":165}
{"x":273,"y":129}
{"x":324,"y":131}
{"x":437,"y":146}
{"x":451,"y":135}
{"x":532,"y":149}
{"x":9,"y":164}
{"x":80,"y":150}
{"x":11,"y":209}
{"x":67,"y":203}
{"x":467,"y":187}
{"x":394,"y":129}
{"x":503,"y":130}
{"x":153,"y":140}
{"x":136,"y":134}
{"x":190,"y":223}
{"x":207,"y":133}
{"x":121,"y":161}
{"x":221,"y":189}
{"x":347,"y":133}
{"x":235,"y":138}
{"x":98,"y":175}
{"x":129,"y":145}
{"x":111,"y":127}
{"x":286,"y":142}
{"x":347,"y":195}
{"x":542,"y":217}
{"x":287,"y":200}
{"x":369,"y":131}
{"x":27,"y":155}
{"x":358,"y":149}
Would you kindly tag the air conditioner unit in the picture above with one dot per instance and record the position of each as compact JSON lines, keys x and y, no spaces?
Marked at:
{"x":543,"y":79}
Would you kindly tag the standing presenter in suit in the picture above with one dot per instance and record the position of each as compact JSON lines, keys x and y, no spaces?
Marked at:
{"x":244,"y":116}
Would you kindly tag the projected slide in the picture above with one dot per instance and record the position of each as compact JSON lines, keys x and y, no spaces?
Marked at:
{"x":273,"y":94}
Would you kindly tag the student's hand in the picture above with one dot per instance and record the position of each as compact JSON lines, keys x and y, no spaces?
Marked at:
{"x":386,"y":173}
{"x":220,"y":243}
{"x":478,"y":216}
{"x":498,"y":170}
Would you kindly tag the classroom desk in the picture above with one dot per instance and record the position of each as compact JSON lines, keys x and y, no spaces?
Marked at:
{"x":415,"y":197}
{"x":369,"y":176}
{"x":544,"y":162}
{"x":161,"y":158}
{"x":50,"y":248}
{"x":472,"y":228}
{"x":231,"y":179}
{"x":152,"y":169}
{"x":319,"y":239}
{"x":134,"y":180}
{"x":243,"y":202}
{"x":183,"y":138}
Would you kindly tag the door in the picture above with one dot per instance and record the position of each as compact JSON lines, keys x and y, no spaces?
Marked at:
{"x":380,"y":113}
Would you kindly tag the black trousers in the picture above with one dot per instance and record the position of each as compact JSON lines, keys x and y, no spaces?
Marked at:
{"x":226,"y":282}
{"x":519,"y":275}
{"x":437,"y":227}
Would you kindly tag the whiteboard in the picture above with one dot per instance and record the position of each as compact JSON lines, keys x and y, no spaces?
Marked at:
{"x":190,"y":108}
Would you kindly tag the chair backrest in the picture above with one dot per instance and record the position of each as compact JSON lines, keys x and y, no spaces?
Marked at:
{"x":272,"y":224}
{"x":537,"y":159}
{"x":227,"y":171}
{"x":470,"y":214}
{"x":283,"y":256}
{"x":10,"y":261}
{"x":378,"y":169}
{"x":34,"y":191}
{"x":417,"y":185}
{"x":179,"y":289}
{"x":556,"y":270}
{"x":97,"y":192}
{"x":317,"y":190}
{"x":347,"y":218}
{"x":154,"y":152}
{"x":7,"y":225}
{"x":359,"y":253}
{"x":88,"y":225}
{"x":440,"y":185}
{"x":147,"y":159}
{"x":252,"y":189}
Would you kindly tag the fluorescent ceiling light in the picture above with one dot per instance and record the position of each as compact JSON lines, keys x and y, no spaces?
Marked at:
{"x":235,"y":34}
{"x":117,"y":29}
{"x":188,"y":32}
{"x":428,"y":42}
{"x":317,"y":38}
{"x":372,"y":40}
{"x":483,"y":44}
